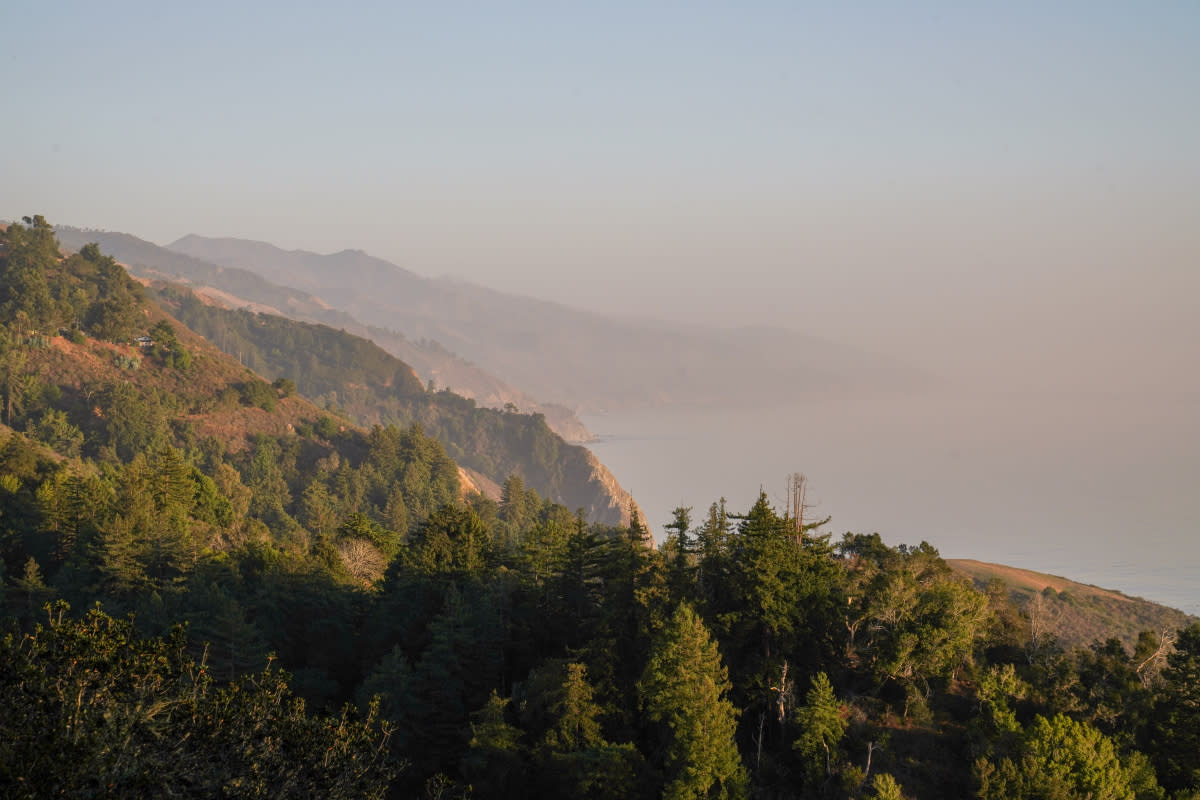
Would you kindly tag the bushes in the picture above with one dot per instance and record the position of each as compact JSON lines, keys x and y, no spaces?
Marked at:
{"x":258,"y":393}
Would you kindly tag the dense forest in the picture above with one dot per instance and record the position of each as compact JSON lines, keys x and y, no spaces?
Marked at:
{"x":215,"y":588}
{"x":339,"y":370}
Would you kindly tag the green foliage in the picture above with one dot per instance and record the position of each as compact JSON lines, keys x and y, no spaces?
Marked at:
{"x":684,"y":691}
{"x":884,"y":787}
{"x":576,"y":714}
{"x":452,"y":541}
{"x":134,"y":422}
{"x":909,"y":617}
{"x":90,"y":708}
{"x":494,"y":765}
{"x":1177,"y":714}
{"x":821,"y":730}
{"x":258,"y":393}
{"x":55,"y":430}
{"x":286,"y":387}
{"x":1058,"y":758}
{"x":30,"y":254}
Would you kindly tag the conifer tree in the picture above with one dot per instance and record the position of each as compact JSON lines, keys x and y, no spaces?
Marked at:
{"x":821,"y":730}
{"x":494,"y":764}
{"x":1177,"y":714}
{"x":577,"y":726}
{"x":683,"y":691}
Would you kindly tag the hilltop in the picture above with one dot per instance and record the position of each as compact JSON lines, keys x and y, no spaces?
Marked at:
{"x":1077,"y":614}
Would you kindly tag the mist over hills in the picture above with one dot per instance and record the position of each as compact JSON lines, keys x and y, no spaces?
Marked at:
{"x":483,"y":343}
{"x":585,"y":360}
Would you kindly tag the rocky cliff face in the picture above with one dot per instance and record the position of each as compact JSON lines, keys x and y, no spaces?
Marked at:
{"x":591,"y":487}
{"x":596,"y":490}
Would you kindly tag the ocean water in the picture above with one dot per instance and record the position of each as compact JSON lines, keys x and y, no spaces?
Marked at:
{"x":1101,"y":489}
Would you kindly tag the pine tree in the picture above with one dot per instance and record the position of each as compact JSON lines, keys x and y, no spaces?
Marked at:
{"x":494,"y":764}
{"x":821,"y":730}
{"x":577,"y":726}
{"x":1058,"y":758}
{"x":683,"y":690}
{"x":1177,"y":714}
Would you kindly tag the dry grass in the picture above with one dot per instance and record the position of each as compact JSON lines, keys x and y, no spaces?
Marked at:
{"x":1079,"y":614}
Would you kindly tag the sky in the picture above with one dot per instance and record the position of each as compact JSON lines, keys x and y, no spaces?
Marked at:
{"x":1004,"y":192}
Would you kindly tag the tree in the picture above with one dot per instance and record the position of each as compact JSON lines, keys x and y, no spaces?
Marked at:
{"x":24,"y":291}
{"x":56,"y":431}
{"x":679,"y":554}
{"x":453,"y":540}
{"x":1177,"y":714}
{"x":884,"y":787}
{"x":494,"y":764}
{"x":516,"y":504}
{"x":577,"y":726}
{"x":821,"y":730}
{"x":13,"y":358}
{"x":88,"y":709}
{"x":683,"y":690}
{"x":1058,"y":758}
{"x":134,"y":423}
{"x":114,"y":313}
{"x":910,"y":619}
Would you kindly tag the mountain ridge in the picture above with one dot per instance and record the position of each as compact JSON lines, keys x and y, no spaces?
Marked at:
{"x":237,"y":288}
{"x":583,"y":359}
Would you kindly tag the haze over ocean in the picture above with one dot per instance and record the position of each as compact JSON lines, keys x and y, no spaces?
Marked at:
{"x":965,"y":471}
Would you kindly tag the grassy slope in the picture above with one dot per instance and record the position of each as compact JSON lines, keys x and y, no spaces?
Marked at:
{"x":1078,"y":614}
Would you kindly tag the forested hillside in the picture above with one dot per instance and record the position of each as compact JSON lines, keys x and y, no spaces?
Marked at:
{"x":232,"y":287}
{"x":319,"y":610}
{"x":339,"y":370}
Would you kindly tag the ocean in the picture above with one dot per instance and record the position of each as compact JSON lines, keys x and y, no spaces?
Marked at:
{"x":1101,"y":489}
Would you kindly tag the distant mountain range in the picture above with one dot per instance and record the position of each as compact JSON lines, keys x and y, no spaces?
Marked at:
{"x":583,"y":360}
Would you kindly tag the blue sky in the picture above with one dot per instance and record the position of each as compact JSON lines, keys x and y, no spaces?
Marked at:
{"x":898,"y":174}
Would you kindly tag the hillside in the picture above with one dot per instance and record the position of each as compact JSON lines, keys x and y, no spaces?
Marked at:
{"x":179,"y":387}
{"x":338,"y":369}
{"x":238,"y":288}
{"x":1077,"y":614}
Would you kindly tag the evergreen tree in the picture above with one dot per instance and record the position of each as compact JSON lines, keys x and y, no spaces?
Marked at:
{"x":1058,"y":758}
{"x":821,"y":730}
{"x":24,"y":291}
{"x":577,"y":715}
{"x":884,"y":787}
{"x":1177,"y":714}
{"x":90,"y":709}
{"x":494,"y":765}
{"x":683,"y":691}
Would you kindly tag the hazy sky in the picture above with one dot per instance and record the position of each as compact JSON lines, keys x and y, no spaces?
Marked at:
{"x":1007,"y":188}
